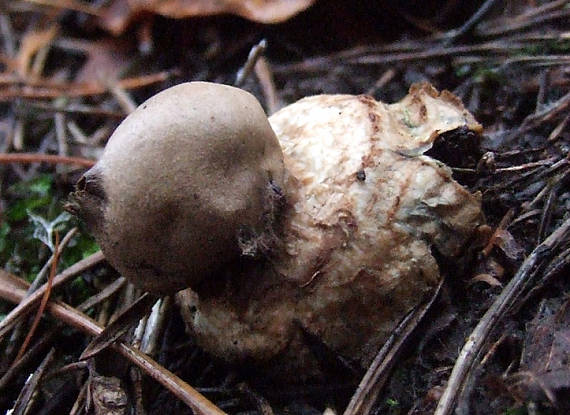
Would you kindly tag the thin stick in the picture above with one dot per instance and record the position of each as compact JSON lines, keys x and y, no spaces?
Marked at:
{"x":202,"y":406}
{"x":73,"y":109}
{"x":104,"y":294}
{"x":40,"y":277}
{"x":23,"y":402}
{"x":252,"y":58}
{"x":27,"y":158}
{"x":470,"y":24}
{"x":74,"y":5}
{"x":492,"y":317}
{"x":502,"y":225}
{"x":376,"y":375}
{"x":27,"y":304}
{"x":31,"y":354}
{"x":32,"y":89}
{"x":45,"y":299}
{"x":265,"y":77}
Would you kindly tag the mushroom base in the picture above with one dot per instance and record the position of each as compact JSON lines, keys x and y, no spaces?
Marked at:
{"x":365,"y":209}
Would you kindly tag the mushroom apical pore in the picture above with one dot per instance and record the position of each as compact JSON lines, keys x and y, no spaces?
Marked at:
{"x":325,"y":233}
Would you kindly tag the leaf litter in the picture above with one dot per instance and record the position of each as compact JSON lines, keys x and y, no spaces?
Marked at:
{"x":509,"y":71}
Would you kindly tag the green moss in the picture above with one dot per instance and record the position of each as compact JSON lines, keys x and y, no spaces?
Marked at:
{"x":34,"y":213}
{"x":80,"y":247}
{"x":29,"y":196}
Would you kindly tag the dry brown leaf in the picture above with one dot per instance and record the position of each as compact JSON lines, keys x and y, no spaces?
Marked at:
{"x":121,"y":12}
{"x":489,"y":271}
{"x":510,"y":247}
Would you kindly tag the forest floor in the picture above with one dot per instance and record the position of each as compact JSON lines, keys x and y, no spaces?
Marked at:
{"x":71,"y":70}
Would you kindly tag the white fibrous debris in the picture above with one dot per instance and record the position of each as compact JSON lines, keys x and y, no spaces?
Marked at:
{"x":364,"y":209}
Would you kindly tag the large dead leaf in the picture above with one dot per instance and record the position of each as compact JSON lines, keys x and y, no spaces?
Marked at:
{"x":121,"y":12}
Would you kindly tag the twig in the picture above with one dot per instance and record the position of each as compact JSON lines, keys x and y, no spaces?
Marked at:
{"x":48,"y":265}
{"x":559,"y":128}
{"x":122,"y":97}
{"x":525,"y":166}
{"x":22,"y":404}
{"x":69,"y":368}
{"x":202,"y":406}
{"x":413,"y":52}
{"x":74,"y":109}
{"x":470,"y":24}
{"x":543,"y":87}
{"x":38,"y":280}
{"x":547,"y":212}
{"x":31,"y":354}
{"x":107,"y":292}
{"x":502,"y":225}
{"x":535,"y":175}
{"x":492,"y":317}
{"x":61,"y":134}
{"x":8,"y":37}
{"x":27,"y":158}
{"x":525,"y":216}
{"x":79,"y":405}
{"x":170,"y":381}
{"x":119,"y":326}
{"x":510,"y":169}
{"x":514,"y":25}
{"x":155,"y":326}
{"x":260,"y":402}
{"x":537,"y":118}
{"x":252,"y":58}
{"x":493,"y":349}
{"x":384,"y":79}
{"x":74,"y":5}
{"x":26,"y":305}
{"x":265,"y":77}
{"x":44,"y":300}
{"x":555,"y":266}
{"x":137,"y":378}
{"x":18,"y":136}
{"x":46,"y":89}
{"x":537,"y":10}
{"x":376,"y":375}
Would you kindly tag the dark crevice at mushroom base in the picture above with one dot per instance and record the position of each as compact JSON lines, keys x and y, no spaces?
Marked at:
{"x":461,"y":149}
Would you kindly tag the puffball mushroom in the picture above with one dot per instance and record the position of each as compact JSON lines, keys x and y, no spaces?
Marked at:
{"x":343,"y":212}
{"x":184,"y":180}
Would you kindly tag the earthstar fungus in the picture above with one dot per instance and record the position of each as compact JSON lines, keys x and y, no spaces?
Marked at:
{"x":323,"y":228}
{"x":180,"y":179}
